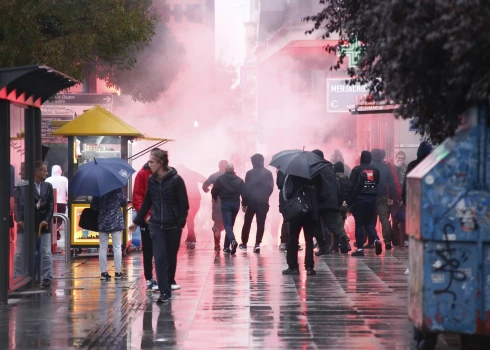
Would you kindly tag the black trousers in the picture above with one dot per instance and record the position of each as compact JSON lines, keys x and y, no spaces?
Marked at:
{"x":147,"y":251}
{"x":166,"y":243}
{"x":260,"y":211}
{"x":308,"y":227}
{"x":364,"y":211}
{"x":284,"y":232}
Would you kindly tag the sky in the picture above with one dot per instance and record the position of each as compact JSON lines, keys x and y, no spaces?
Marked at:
{"x":230,"y":31}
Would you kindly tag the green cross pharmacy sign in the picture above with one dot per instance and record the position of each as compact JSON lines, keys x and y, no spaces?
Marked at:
{"x":353,"y":52}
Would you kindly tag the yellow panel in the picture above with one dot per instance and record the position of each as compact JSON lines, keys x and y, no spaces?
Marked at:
{"x":97,"y":121}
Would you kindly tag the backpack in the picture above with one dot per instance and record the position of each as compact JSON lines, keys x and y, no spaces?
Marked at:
{"x":299,"y":206}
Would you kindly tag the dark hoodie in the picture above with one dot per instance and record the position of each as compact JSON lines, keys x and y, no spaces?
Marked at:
{"x":386,"y":185}
{"x":424,"y":150}
{"x":259,"y":183}
{"x":364,"y":177}
{"x":167,"y":198}
{"x":328,"y":186}
{"x":228,"y":187}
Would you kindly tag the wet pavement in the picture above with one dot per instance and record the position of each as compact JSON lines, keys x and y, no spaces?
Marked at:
{"x":241,"y":302}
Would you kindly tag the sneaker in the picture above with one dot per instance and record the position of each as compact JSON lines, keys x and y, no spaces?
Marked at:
{"x":46,"y":284}
{"x":323,"y":251}
{"x":243,"y":247}
{"x":344,"y":248}
{"x":120,"y":276}
{"x":291,"y":271}
{"x":405,"y":244}
{"x":150,"y":284}
{"x":191,"y":245}
{"x":407,"y":272}
{"x":379,"y":247}
{"x":234,"y":246}
{"x":388,"y":246}
{"x":358,"y":252}
{"x":227,"y":250}
{"x":310,"y":271}
{"x":164,"y":297}
{"x":282,"y":246}
{"x":174,"y":287}
{"x":315,"y":243}
{"x":257,"y":248}
{"x":105,"y":276}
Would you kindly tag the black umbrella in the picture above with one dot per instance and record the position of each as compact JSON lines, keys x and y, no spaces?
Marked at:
{"x":298,"y":163}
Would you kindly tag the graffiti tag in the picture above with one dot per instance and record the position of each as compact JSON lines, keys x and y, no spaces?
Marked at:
{"x":450,"y":263}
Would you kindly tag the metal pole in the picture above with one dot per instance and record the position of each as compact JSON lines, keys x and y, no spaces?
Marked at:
{"x":66,"y":220}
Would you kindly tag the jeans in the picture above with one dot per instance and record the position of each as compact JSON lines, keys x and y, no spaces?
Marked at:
{"x":166,"y":244}
{"x":229,"y":211}
{"x":194,"y":206}
{"x":260,"y":211}
{"x":43,"y":248}
{"x":116,"y":248}
{"x":308,"y":227}
{"x":383,"y":211}
{"x":364,"y":211}
{"x":147,"y":251}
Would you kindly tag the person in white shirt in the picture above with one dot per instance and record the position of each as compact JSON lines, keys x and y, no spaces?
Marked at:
{"x":60,"y":184}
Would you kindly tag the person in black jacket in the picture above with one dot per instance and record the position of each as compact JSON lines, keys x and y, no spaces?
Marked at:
{"x":259,"y":185}
{"x":167,"y":198}
{"x":229,"y":188}
{"x":424,"y":150}
{"x":365,"y":178}
{"x":330,"y":200}
{"x":346,"y":193}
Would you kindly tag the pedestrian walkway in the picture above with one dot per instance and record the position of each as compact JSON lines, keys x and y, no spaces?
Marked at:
{"x":241,"y":302}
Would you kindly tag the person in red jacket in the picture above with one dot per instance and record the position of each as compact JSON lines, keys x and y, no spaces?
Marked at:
{"x":139,"y":192}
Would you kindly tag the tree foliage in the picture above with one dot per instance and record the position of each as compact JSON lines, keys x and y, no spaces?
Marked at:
{"x":429,"y":56}
{"x":78,"y":37}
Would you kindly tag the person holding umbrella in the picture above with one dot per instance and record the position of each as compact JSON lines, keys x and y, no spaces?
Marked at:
{"x":301,"y":203}
{"x":167,"y":198}
{"x":110,"y":222}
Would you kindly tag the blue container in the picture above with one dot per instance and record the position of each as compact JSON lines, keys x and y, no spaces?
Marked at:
{"x":448,"y":219}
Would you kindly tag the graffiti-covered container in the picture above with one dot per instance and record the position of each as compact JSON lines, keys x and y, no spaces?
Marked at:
{"x":448,"y":220}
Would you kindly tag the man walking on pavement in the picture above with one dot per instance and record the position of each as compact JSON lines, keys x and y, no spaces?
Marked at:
{"x":259,"y":185}
{"x":365,"y":178}
{"x":229,"y":188}
{"x":139,"y":192}
{"x":330,"y":200}
{"x":386,"y":195}
{"x":218,"y":226}
{"x":192,"y":179}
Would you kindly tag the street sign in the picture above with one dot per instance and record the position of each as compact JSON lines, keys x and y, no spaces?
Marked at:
{"x":47,"y":130}
{"x":63,"y":105}
{"x":81,"y":99}
{"x":341,"y":95}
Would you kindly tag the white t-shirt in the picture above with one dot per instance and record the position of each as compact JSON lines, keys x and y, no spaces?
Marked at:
{"x":60,"y":184}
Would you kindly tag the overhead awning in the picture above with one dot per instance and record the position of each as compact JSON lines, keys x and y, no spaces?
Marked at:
{"x":97,"y":121}
{"x":32,"y":85}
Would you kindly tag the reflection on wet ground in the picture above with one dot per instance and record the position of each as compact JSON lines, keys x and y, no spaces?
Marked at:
{"x":240,"y":301}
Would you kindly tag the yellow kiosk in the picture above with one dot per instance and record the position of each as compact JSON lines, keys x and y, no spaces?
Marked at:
{"x":97,"y":133}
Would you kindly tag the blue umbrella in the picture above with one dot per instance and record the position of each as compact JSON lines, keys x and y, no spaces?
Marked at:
{"x":101,"y":176}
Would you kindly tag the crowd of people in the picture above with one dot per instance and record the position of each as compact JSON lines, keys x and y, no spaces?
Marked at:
{"x":374,"y":189}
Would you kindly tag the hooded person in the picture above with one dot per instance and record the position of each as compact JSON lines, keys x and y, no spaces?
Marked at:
{"x":259,"y":184}
{"x":338,"y":157}
{"x":330,"y":200}
{"x":387,"y":192}
{"x":60,"y":184}
{"x":218,"y":226}
{"x":365,"y":178}
{"x":424,"y":150}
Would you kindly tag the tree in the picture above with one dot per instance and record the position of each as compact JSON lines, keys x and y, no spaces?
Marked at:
{"x":429,"y":56}
{"x":80,"y":37}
